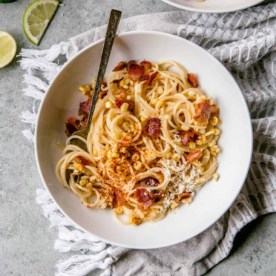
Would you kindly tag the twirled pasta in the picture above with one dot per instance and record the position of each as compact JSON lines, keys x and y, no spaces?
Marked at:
{"x":151,"y":145}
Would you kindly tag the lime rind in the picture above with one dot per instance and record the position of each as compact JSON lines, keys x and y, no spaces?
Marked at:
{"x":43,"y":24}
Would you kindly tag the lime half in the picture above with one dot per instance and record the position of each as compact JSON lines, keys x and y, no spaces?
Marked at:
{"x":37,"y":17}
{"x":7,"y":49}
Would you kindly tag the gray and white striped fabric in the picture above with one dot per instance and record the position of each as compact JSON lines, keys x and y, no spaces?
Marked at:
{"x":245,"y":42}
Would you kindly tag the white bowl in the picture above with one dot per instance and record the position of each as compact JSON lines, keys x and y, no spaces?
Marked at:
{"x":213,"y":6}
{"x":211,"y":202}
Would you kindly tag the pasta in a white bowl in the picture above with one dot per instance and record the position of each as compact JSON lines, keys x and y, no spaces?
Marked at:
{"x":217,"y":89}
{"x":152,"y":143}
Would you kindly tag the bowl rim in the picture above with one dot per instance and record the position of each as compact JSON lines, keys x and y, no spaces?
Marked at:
{"x":248,"y":119}
{"x":245,"y":6}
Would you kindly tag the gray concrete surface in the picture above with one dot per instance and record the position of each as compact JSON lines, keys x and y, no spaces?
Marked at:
{"x":26,"y":241}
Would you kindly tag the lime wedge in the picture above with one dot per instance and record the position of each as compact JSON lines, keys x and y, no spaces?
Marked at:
{"x":7,"y":49}
{"x":37,"y":17}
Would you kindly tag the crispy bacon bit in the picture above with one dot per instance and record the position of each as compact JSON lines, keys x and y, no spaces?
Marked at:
{"x":194,"y":155}
{"x":135,"y":71}
{"x":146,"y":64}
{"x":182,"y":196}
{"x":84,"y":108}
{"x":152,"y":128}
{"x":192,"y":79}
{"x":144,"y":197}
{"x":151,"y":78}
{"x":117,"y":81}
{"x":120,"y":66}
{"x":118,"y":199}
{"x":204,"y":110}
{"x":118,"y":103}
{"x":144,"y":77}
{"x":83,"y":161}
{"x":188,"y":136}
{"x":149,"y":181}
{"x":102,"y":94}
{"x":159,"y":195}
{"x":72,"y":125}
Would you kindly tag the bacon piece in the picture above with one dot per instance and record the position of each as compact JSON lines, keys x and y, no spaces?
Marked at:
{"x":83,"y":161}
{"x":135,"y":71}
{"x":120,"y":66}
{"x":149,"y":181}
{"x":118,"y":199}
{"x":102,"y":94}
{"x":192,"y":79}
{"x":144,"y":77}
{"x":84,"y":108}
{"x":159,"y":195}
{"x":204,"y":110}
{"x":182,"y":196}
{"x":194,"y":155}
{"x":152,"y":128}
{"x":188,"y":136}
{"x":72,"y":125}
{"x":151,"y":78}
{"x":146,"y":64}
{"x":117,"y":81}
{"x":118,"y":103}
{"x":144,"y":197}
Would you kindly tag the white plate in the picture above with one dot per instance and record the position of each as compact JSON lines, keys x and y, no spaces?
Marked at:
{"x":211,"y":202}
{"x":213,"y":6}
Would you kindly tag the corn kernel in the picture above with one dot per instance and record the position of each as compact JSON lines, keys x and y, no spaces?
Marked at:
{"x":126,"y":126}
{"x":212,"y":143}
{"x":124,"y":107}
{"x":89,"y":186}
{"x":123,"y":150}
{"x":119,"y":210}
{"x":85,"y":88}
{"x":174,"y":205}
{"x":176,"y":157}
{"x":186,"y":128}
{"x":154,"y":101}
{"x":214,"y":120}
{"x":128,"y":97}
{"x":83,"y":181}
{"x":117,"y":135}
{"x":216,"y":176}
{"x":169,"y":155}
{"x":135,"y":157}
{"x":115,"y":155}
{"x":202,"y":98}
{"x":95,"y":152}
{"x":92,"y":178}
{"x":216,"y":131}
{"x":137,"y":165}
{"x":192,"y":145}
{"x":191,"y":94}
{"x":203,"y":139}
{"x":199,"y":142}
{"x":160,"y":90}
{"x":108,"y":104}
